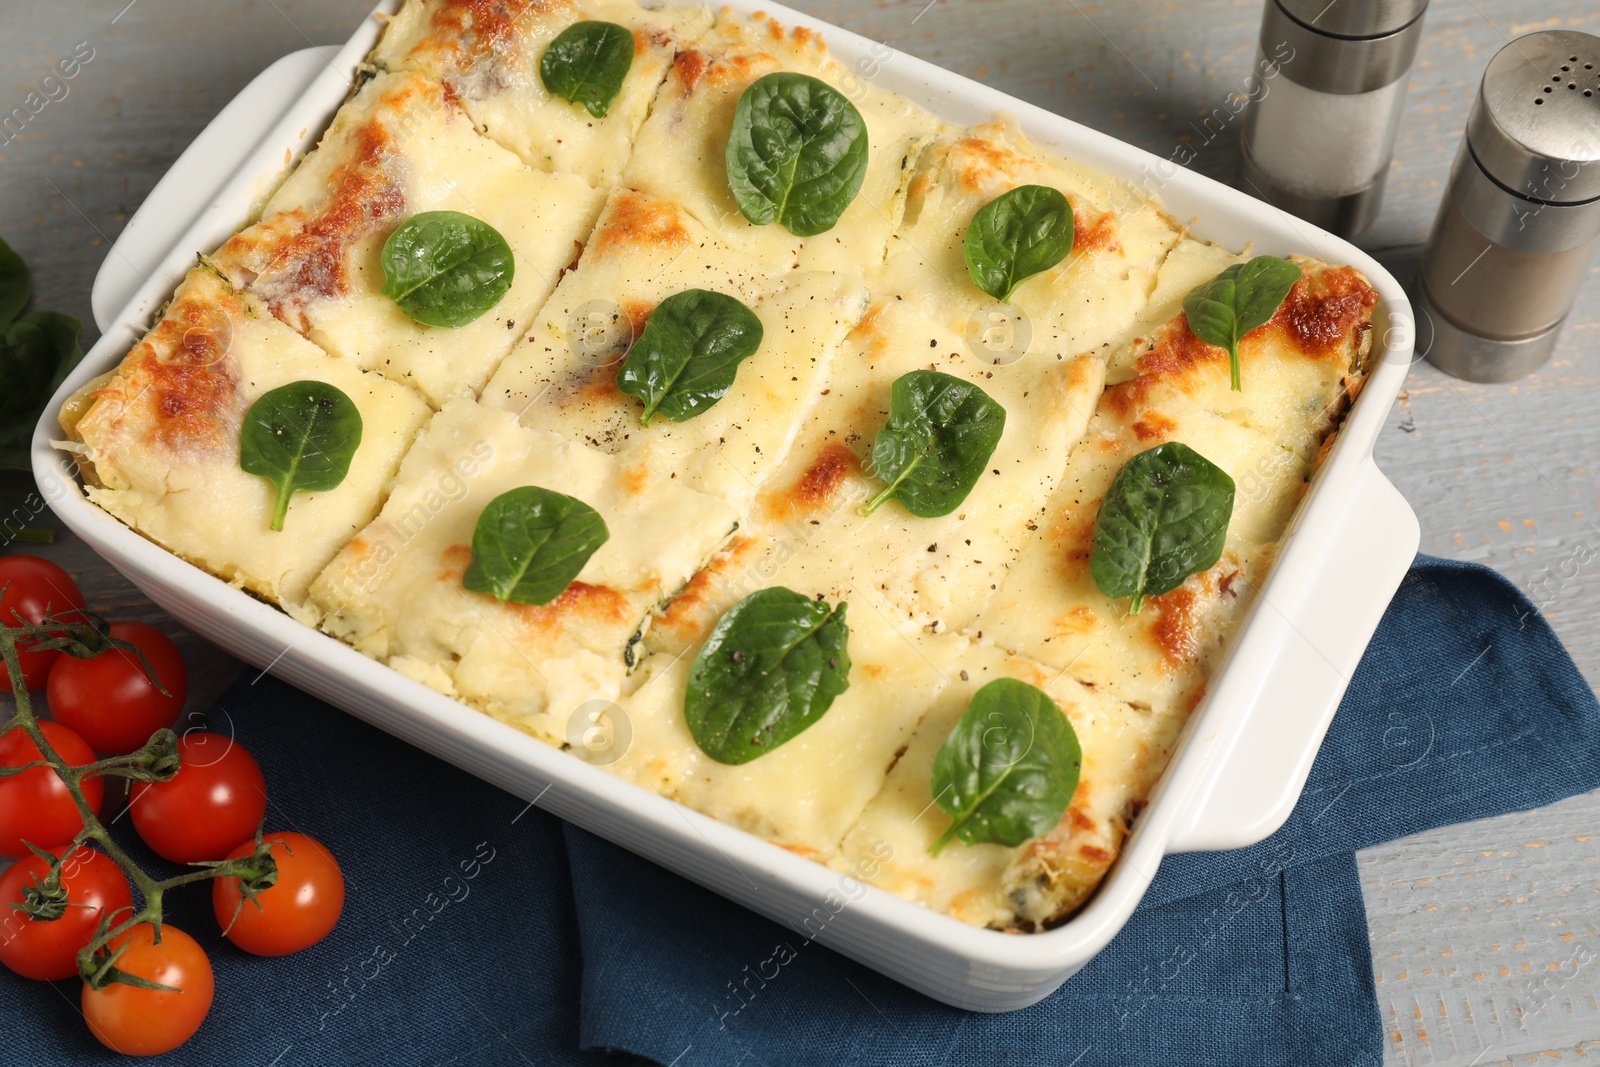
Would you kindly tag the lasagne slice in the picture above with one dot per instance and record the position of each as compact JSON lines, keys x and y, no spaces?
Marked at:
{"x":681,"y":150}
{"x":395,"y":592}
{"x":563,"y":376}
{"x":488,"y":54}
{"x":1299,"y":371}
{"x":1043,"y":880}
{"x":403,"y":146}
{"x":158,"y":441}
{"x":806,"y":793}
{"x":1086,"y":304}
{"x":1049,"y":607}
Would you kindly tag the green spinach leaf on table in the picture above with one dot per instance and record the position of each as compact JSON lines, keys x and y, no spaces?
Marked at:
{"x":37,"y":352}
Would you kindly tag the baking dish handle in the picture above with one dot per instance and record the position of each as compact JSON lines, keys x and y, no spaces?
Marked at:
{"x":1258,"y":783}
{"x":190,"y":185}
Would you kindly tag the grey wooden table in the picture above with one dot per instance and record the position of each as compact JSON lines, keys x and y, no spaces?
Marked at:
{"x":1486,"y":936}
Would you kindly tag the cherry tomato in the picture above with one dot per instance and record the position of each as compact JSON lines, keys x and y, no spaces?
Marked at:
{"x":147,"y":1022}
{"x":299,"y":910}
{"x":35,"y":805}
{"x":216,"y":800}
{"x":110,"y":701}
{"x":48,"y":949}
{"x":34,"y":588}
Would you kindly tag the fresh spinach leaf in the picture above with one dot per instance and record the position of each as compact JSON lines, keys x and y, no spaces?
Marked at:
{"x":300,"y":437}
{"x":770,"y":669}
{"x":446,"y":269}
{"x":688,"y":353}
{"x":797,"y":154}
{"x":936,"y":444}
{"x":1008,"y":770}
{"x":1164,"y":518}
{"x":37,"y":352}
{"x":1237,"y":301}
{"x":15,"y":284}
{"x":586,"y":64}
{"x":1017,"y":235}
{"x":530,"y":543}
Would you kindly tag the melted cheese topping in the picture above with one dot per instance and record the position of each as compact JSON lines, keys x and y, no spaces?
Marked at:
{"x":488,"y":52}
{"x":161,"y":434}
{"x":936,"y":572}
{"x":681,"y":151}
{"x":729,"y":449}
{"x":1299,"y":370}
{"x":1190,"y":263}
{"x":402,"y":147}
{"x":395,"y":592}
{"x":563,"y":376}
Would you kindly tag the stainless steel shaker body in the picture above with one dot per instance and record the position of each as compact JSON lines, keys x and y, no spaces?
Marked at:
{"x":1520,"y":218}
{"x":1318,"y":141}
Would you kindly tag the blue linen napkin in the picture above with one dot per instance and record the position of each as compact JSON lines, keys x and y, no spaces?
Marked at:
{"x":481,"y":931}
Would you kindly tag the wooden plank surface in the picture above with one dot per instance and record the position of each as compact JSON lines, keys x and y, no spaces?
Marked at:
{"x":1484,"y":936}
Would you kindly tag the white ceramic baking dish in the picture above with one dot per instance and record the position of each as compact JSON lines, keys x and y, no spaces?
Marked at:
{"x":1244,"y":757}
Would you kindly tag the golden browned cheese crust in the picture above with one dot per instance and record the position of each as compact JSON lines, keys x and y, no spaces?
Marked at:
{"x":161,"y":438}
{"x":486,"y":53}
{"x":403,"y":146}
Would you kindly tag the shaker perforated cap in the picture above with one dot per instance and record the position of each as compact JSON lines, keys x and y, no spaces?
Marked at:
{"x":1354,"y":18}
{"x":1535,"y":128}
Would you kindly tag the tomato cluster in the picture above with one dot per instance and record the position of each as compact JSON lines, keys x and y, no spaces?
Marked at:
{"x":210,"y":810}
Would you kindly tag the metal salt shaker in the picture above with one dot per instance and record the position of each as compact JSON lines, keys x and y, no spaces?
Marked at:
{"x":1317,"y":142}
{"x":1520,"y":219}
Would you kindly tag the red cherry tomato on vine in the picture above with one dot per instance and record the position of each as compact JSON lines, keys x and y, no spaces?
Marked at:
{"x":147,"y":1022}
{"x":110,"y":701}
{"x":48,"y":949}
{"x":216,"y":800}
{"x":35,"y":805}
{"x":300,"y":909}
{"x":34,"y":588}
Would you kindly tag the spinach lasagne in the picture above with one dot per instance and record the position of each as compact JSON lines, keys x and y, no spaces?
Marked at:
{"x":716,"y":399}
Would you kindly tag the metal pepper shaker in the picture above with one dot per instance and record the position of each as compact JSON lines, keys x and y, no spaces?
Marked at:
{"x":1318,"y":140}
{"x":1520,"y":218}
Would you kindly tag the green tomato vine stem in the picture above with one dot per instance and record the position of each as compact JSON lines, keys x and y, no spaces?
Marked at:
{"x":157,"y":761}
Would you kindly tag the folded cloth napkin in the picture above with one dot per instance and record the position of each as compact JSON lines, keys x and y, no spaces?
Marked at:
{"x":479,"y":930}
